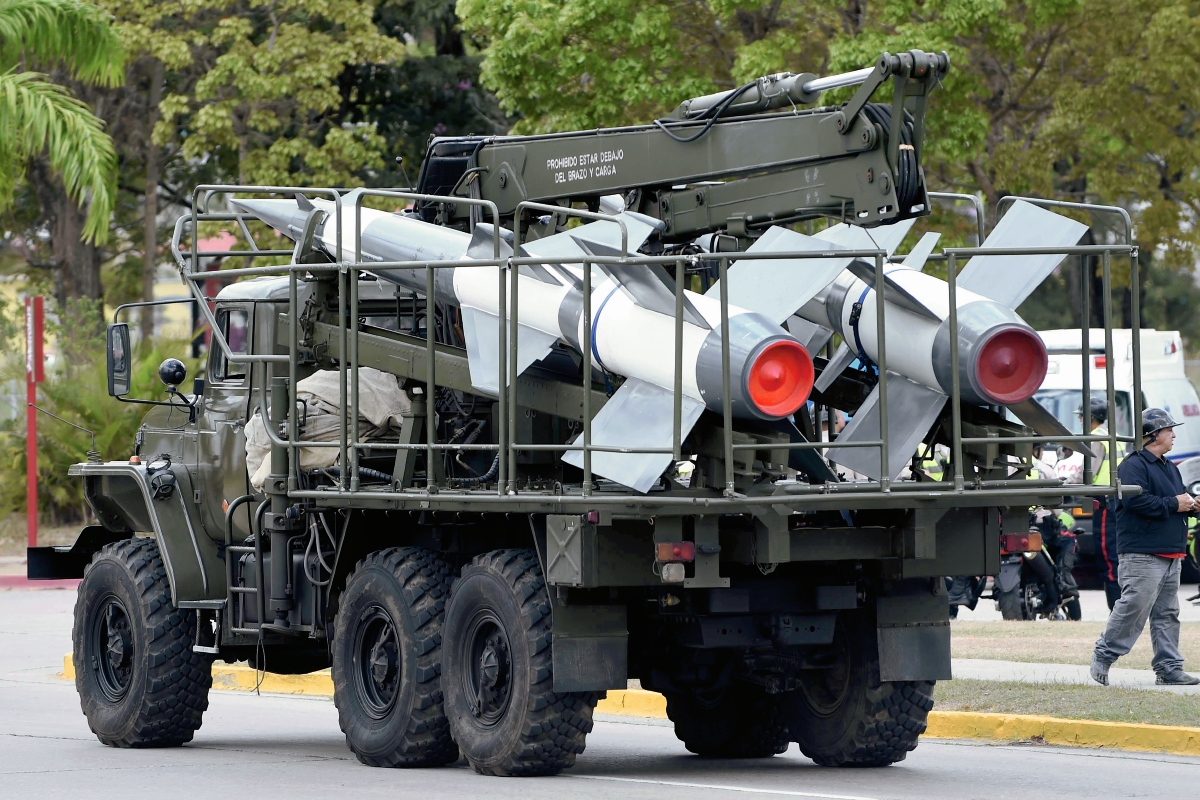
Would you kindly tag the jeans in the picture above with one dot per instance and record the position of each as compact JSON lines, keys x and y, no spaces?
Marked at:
{"x":1149,"y":590}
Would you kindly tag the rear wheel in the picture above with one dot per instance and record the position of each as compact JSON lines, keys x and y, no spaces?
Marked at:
{"x":1010,"y":603}
{"x":843,"y":716}
{"x":139,"y":683}
{"x":738,"y":721}
{"x":500,"y":698}
{"x":387,"y":660}
{"x":1072,"y":610}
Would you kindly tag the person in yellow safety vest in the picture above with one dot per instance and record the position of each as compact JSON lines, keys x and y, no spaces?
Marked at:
{"x":1104,"y":528}
{"x":933,"y":461}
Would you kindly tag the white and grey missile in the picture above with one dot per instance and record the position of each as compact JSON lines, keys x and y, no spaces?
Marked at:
{"x":1002,"y":360}
{"x":632,"y":326}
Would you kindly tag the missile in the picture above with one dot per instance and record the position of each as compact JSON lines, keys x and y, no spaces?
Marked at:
{"x":1001,"y":359}
{"x":632,"y":326}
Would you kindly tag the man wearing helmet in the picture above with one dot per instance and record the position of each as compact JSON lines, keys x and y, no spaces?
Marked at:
{"x":1151,"y":540}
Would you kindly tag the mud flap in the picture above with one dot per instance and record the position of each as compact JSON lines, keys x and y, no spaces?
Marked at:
{"x":913,"y":631}
{"x":1010,"y":575}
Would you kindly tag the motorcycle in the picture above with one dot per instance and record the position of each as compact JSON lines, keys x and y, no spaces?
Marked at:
{"x":1035,"y":577}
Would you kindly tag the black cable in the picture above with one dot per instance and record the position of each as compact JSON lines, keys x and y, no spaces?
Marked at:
{"x":712,"y":114}
{"x":484,"y":478}
{"x":908,"y":177}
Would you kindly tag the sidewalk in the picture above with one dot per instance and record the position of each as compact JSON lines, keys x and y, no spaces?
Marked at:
{"x":1026,"y":672}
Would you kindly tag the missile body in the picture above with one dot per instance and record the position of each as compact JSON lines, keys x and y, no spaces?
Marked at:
{"x":1002,"y":360}
{"x":632,"y":335}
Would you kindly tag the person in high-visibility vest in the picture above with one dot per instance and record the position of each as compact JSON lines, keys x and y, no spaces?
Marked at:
{"x":1103,"y":528}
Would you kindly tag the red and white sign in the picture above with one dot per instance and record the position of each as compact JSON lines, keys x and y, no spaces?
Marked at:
{"x":35,"y":373}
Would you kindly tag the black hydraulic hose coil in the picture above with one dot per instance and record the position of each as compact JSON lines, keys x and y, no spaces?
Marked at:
{"x":908,"y":176}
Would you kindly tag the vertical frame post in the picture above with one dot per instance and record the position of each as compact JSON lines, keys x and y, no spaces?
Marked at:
{"x":955,"y":378}
{"x":1110,"y":390}
{"x":1085,"y":349}
{"x":726,"y":389}
{"x":430,"y":381}
{"x":885,"y":480}
{"x":587,"y":378}
{"x":677,"y":418}
{"x":514,"y":276}
{"x":1135,"y":321}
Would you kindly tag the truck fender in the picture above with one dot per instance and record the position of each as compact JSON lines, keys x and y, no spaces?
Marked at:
{"x":120,"y":494}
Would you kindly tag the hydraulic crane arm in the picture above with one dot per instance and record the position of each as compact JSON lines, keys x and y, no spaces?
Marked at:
{"x":724,"y":162}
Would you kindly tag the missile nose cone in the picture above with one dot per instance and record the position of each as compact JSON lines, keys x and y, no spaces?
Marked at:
{"x":780,"y":378}
{"x":1011,"y":365}
{"x":284,"y":216}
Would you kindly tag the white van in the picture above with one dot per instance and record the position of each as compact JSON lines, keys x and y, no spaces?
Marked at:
{"x":1164,"y":384}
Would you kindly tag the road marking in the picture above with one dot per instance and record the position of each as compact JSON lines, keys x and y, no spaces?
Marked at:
{"x":724,"y":788}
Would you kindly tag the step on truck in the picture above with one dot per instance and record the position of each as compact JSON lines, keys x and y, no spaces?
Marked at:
{"x":568,"y":414}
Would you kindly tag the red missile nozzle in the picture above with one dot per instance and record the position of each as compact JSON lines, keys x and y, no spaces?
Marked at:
{"x":780,"y":378}
{"x":1011,"y":366}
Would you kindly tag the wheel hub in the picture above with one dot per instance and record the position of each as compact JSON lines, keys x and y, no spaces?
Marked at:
{"x":111,"y":648}
{"x":489,"y":683}
{"x":379,"y":662}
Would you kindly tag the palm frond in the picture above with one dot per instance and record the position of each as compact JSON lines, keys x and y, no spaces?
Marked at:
{"x":70,"y":33}
{"x":37,"y":115}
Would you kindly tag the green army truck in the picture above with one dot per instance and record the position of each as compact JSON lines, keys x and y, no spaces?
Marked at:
{"x":338,"y":491}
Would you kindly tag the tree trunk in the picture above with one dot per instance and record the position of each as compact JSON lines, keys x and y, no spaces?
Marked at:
{"x":153,"y":166}
{"x":76,"y":263}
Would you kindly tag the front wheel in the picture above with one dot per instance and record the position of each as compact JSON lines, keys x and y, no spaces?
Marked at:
{"x":844,"y":716}
{"x":500,"y":698}
{"x":139,"y":683}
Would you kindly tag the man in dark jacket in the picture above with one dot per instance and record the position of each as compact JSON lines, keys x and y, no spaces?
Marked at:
{"x":1151,"y":543}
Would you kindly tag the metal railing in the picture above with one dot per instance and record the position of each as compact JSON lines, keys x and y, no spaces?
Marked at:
{"x":508,"y":273}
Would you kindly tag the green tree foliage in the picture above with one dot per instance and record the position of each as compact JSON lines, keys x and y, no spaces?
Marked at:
{"x":1084,"y":100}
{"x":39,"y":116}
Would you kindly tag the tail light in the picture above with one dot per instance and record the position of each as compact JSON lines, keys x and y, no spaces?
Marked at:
{"x":1021,"y":542}
{"x":675,"y":551}
{"x":1011,"y":366}
{"x":780,"y":378}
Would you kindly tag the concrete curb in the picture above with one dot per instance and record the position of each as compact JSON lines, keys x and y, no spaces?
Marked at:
{"x":1175,"y":740}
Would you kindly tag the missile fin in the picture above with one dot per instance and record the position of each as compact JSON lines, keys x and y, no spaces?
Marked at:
{"x":921,"y":251}
{"x":1034,"y":415}
{"x":896,"y":294}
{"x":652,"y":288}
{"x":852,"y":237}
{"x":304,"y":203}
{"x":912,"y":409}
{"x":810,"y":334}
{"x":842,"y":358}
{"x":483,"y":348}
{"x":1010,"y":279}
{"x":775,"y":288}
{"x":639,"y":414}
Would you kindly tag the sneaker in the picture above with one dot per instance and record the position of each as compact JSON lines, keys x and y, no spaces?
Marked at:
{"x":1099,"y":671}
{"x":1176,"y":678}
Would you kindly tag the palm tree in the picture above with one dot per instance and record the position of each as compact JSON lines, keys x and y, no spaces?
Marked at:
{"x":39,"y":116}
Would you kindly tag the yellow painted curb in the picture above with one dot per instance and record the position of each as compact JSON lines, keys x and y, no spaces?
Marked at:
{"x":1172,"y":739}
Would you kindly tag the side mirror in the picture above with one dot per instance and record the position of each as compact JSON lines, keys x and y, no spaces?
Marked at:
{"x":120,"y":366}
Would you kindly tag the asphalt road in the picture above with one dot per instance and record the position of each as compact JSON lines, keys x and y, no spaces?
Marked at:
{"x":273,"y":746}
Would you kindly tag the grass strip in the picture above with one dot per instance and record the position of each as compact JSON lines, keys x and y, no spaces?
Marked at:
{"x":1057,"y":643}
{"x":1069,"y":701}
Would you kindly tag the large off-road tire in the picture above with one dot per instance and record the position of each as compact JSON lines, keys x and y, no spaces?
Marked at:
{"x":843,"y":716}
{"x":1010,"y":604}
{"x":739,"y":721}
{"x":139,"y":683}
{"x":500,"y":698}
{"x":387,"y":660}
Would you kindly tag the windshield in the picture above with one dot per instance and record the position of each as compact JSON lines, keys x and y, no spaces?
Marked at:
{"x":1064,"y":405}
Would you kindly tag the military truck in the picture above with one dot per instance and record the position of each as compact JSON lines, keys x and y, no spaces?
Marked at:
{"x":475,"y":591}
